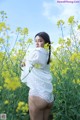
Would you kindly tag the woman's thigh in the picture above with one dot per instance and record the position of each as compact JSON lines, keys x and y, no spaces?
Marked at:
{"x":34,"y":110}
{"x":47,"y":111}
{"x":39,"y":103}
{"x":39,"y":108}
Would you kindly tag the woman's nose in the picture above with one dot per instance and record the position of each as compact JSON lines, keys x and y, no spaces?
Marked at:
{"x":37,"y":43}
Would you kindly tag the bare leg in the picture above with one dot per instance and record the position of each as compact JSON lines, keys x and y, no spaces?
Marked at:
{"x":34,"y":111}
{"x":36,"y":108}
{"x":47,"y":111}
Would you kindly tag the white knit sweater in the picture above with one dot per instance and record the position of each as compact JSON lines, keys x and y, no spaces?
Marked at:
{"x":38,"y":78}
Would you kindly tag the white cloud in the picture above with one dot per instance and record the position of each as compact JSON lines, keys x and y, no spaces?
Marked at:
{"x":55,"y":11}
{"x":47,"y":8}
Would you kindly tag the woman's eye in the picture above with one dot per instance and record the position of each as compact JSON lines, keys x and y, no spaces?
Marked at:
{"x":40,"y":40}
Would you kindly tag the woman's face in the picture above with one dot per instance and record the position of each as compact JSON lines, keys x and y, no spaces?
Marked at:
{"x":39,"y":41}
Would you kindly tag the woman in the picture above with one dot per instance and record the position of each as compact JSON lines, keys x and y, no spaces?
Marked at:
{"x":36,"y":75}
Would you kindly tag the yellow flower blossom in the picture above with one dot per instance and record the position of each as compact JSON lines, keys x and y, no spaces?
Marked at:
{"x":75,"y":56}
{"x":76,"y":81}
{"x":22,"y":107}
{"x":1,"y":40}
{"x":71,"y":20}
{"x":12,"y":84}
{"x":61,"y":41}
{"x":65,"y":63}
{"x":55,"y":73}
{"x":46,"y":46}
{"x":64,"y":71}
{"x":52,"y":65}
{"x":25,"y":108}
{"x":6,"y":74}
{"x":2,"y":25}
{"x":1,"y":56}
{"x":37,"y":65}
{"x":1,"y":88}
{"x":6,"y":102}
{"x":60,"y":22}
{"x":20,"y":104}
{"x":25,"y":31}
{"x":29,"y":40}
{"x":78,"y":27}
{"x":68,"y":42}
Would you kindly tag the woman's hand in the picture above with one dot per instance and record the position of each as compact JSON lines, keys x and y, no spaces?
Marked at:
{"x":23,"y":64}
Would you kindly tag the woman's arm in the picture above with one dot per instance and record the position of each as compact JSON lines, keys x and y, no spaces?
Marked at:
{"x":39,"y":57}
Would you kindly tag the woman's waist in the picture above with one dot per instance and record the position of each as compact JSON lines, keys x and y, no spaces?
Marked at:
{"x":37,"y":91}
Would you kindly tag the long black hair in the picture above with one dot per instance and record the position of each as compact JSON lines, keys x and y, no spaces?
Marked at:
{"x":46,"y":38}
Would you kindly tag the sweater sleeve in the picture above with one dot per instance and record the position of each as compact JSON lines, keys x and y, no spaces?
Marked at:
{"x":38,"y":57}
{"x":34,"y":58}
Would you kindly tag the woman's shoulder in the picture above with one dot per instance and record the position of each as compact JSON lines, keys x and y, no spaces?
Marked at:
{"x":41,"y":50}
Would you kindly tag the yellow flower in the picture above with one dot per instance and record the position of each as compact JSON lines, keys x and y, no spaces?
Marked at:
{"x":61,"y":41}
{"x":6,"y":74}
{"x":25,"y":108}
{"x":1,"y":56}
{"x":46,"y":46}
{"x":71,"y":20}
{"x":25,"y":31}
{"x":1,"y":87}
{"x":12,"y":84}
{"x":68,"y":42}
{"x":29,"y":40}
{"x":37,"y":65}
{"x":22,"y":107}
{"x":1,"y":40}
{"x":2,"y":25}
{"x":76,"y":81}
{"x":6,"y":102}
{"x":55,"y":73}
{"x":65,"y":63}
{"x":64,"y":71}
{"x":20,"y":104}
{"x":75,"y":56}
{"x":24,"y":113}
{"x":60,"y":22}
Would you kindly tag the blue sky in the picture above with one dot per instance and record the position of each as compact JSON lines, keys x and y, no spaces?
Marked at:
{"x":39,"y":15}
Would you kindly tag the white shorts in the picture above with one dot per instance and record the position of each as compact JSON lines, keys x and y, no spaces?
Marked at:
{"x":48,"y":97}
